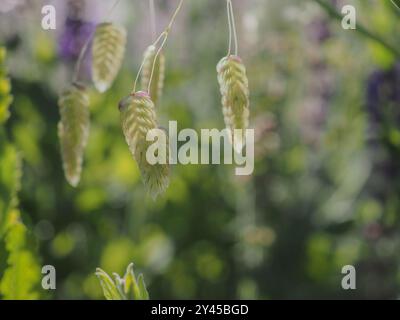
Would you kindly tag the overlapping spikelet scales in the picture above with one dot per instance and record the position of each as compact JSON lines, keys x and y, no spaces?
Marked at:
{"x":157,"y":83}
{"x":107,"y":54}
{"x":234,"y":88}
{"x":73,"y":130}
{"x":138,"y":117}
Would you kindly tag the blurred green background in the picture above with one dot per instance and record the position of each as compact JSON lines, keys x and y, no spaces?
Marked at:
{"x":326,"y":186}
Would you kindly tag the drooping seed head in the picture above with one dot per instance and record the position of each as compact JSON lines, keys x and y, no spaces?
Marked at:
{"x":107,"y":54}
{"x":157,"y":82}
{"x":138,"y":117}
{"x":234,"y":87}
{"x":73,"y":130}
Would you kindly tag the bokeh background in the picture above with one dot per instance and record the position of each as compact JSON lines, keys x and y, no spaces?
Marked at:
{"x":326,"y":187}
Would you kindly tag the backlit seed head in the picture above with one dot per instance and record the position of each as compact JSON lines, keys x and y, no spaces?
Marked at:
{"x":234,"y":87}
{"x":108,"y":52}
{"x":157,"y":82}
{"x":138,"y":117}
{"x":73,"y":130}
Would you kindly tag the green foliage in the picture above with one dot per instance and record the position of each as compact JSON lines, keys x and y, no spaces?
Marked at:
{"x":10,"y":172}
{"x":127,"y":288}
{"x":5,"y":88}
{"x":23,"y":272}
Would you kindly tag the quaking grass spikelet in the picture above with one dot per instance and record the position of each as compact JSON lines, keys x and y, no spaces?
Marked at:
{"x":107,"y":54}
{"x":157,"y":83}
{"x":234,"y":89}
{"x":138,"y":117}
{"x":73,"y":130}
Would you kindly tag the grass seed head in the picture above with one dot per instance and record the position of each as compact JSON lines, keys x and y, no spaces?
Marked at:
{"x":157,"y":82}
{"x":138,"y":116}
{"x":108,"y":52}
{"x":234,"y":87}
{"x":73,"y":130}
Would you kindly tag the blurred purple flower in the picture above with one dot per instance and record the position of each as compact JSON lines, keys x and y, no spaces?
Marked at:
{"x":383,"y":106}
{"x":73,"y":38}
{"x":383,"y":91}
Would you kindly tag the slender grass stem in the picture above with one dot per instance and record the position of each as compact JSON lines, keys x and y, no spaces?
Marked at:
{"x":78,"y":64}
{"x":153,"y":20}
{"x":164,"y":35}
{"x":233,"y":26}
{"x":230,"y":28}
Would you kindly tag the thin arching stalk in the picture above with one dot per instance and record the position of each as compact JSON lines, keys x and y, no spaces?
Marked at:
{"x":164,"y":34}
{"x":233,"y":26}
{"x":153,"y":20}
{"x":113,"y":7}
{"x":137,"y":77}
{"x":230,"y":28}
{"x":143,"y":62}
{"x":174,"y":16}
{"x":155,"y":61}
{"x":80,"y":58}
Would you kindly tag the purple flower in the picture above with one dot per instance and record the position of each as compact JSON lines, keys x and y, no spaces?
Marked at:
{"x":383,"y":106}
{"x":73,"y":38}
{"x":383,"y":92}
